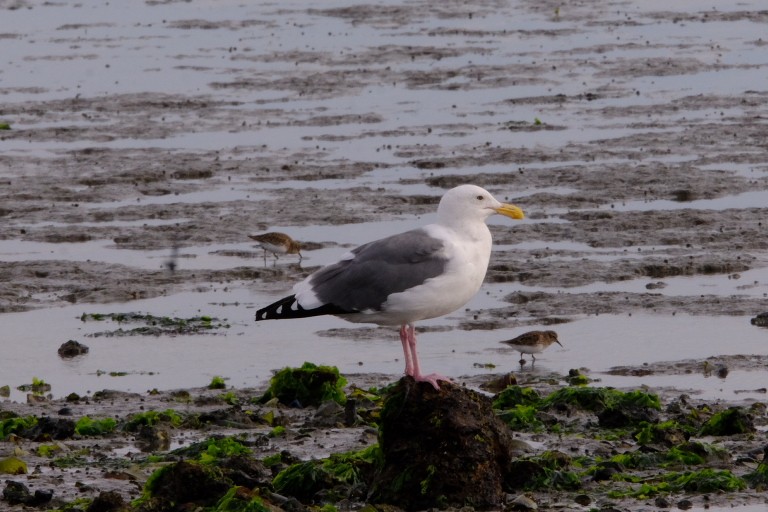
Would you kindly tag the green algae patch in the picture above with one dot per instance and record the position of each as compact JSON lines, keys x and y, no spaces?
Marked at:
{"x":86,"y":426}
{"x":302,"y":480}
{"x":732,"y":421}
{"x":152,"y":418}
{"x":548,"y":471}
{"x":758,"y":478}
{"x":151,"y":325}
{"x":702,"y":481}
{"x":16,"y":425}
{"x":220,"y":448}
{"x":520,"y":407}
{"x":516,"y":395}
{"x":600,"y":399}
{"x":309,"y":385}
{"x":668,"y":433}
{"x":240,"y":499}
{"x":522,"y":418}
{"x":13,"y":466}
{"x":217,"y":382}
{"x":305,"y":479}
{"x":184,"y":482}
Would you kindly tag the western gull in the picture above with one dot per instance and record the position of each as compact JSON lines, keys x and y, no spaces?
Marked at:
{"x":415,"y":275}
{"x":277,"y":243}
{"x":532,"y":342}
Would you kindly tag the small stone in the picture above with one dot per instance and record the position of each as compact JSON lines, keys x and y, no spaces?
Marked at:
{"x":107,"y":501}
{"x":583,"y":500}
{"x":684,"y":504}
{"x":523,"y":502}
{"x":661,"y":502}
{"x":72,"y":348}
{"x":16,"y":493}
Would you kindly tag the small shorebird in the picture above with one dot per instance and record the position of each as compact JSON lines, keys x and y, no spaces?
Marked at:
{"x":532,"y":342}
{"x":277,"y":243}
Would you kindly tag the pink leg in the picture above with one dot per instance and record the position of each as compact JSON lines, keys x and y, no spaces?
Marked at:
{"x":406,"y":350}
{"x":432,"y":378}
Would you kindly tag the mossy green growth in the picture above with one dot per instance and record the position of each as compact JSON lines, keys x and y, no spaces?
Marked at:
{"x":240,"y":499}
{"x":156,"y":325}
{"x":701,"y":481}
{"x":304,"y":479}
{"x":522,"y":418}
{"x":86,"y":426}
{"x":301,"y":480}
{"x":229,"y":398}
{"x":637,"y":459}
{"x":668,"y":432}
{"x":220,"y":448}
{"x":705,"y":480}
{"x":15,"y":425}
{"x":308,"y":385}
{"x":347,"y":467}
{"x":152,"y":418}
{"x":759,"y":477}
{"x":598,"y":399}
{"x":516,"y":395}
{"x":545,"y":472}
{"x":5,"y":126}
{"x":732,"y":421}
{"x":272,"y":460}
{"x":13,"y":466}
{"x":48,"y":450}
{"x":217,"y":382}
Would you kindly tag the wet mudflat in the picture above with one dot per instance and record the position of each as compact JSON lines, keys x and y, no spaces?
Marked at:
{"x":145,"y":143}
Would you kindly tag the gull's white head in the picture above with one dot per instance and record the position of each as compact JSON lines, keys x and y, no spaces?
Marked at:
{"x":470,"y":203}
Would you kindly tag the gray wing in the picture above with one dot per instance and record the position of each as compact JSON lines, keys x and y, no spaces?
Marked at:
{"x":379,"y":269}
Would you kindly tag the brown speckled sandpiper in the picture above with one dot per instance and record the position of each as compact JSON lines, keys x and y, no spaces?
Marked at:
{"x":532,"y":342}
{"x":277,"y":243}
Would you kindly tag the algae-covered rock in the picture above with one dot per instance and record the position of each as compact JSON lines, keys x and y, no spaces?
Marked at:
{"x":108,"y":501}
{"x":441,"y":448}
{"x":188,"y":483}
{"x":13,"y":466}
{"x":305,"y":386}
{"x":732,"y":421}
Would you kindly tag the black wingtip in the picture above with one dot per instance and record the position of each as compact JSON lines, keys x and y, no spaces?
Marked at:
{"x":287,"y":307}
{"x":277,"y":310}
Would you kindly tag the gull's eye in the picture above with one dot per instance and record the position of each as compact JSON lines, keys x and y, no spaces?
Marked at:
{"x":480,"y":198}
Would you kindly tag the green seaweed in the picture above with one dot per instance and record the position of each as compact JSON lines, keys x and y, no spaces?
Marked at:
{"x":304,"y":479}
{"x":732,"y":421}
{"x":13,"y":466}
{"x":220,"y":448}
{"x":240,"y":499}
{"x":15,"y":425}
{"x":217,"y":382}
{"x":308,"y":385}
{"x":516,"y":395}
{"x":522,"y":417}
{"x":598,"y":399}
{"x":151,"y":418}
{"x":700,"y":481}
{"x":155,"y":325}
{"x":86,"y":426}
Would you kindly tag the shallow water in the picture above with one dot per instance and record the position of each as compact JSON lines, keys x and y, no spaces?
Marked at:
{"x":253,"y":55}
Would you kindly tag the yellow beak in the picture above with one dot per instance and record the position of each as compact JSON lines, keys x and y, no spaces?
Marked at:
{"x":510,"y":210}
